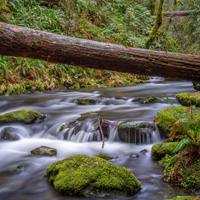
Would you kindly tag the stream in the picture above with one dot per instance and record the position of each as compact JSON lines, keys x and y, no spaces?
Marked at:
{"x":21,"y":173}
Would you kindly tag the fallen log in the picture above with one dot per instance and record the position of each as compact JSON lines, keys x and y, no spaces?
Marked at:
{"x":181,"y":13}
{"x":30,"y":43}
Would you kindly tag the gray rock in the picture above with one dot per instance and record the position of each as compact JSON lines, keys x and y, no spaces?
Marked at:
{"x":10,"y":133}
{"x":135,"y":132}
{"x":44,"y":151}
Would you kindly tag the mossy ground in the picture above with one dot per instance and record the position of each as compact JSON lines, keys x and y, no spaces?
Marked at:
{"x":189,"y":177}
{"x":166,"y":118}
{"x":189,"y":98}
{"x":91,"y":176}
{"x":22,"y":116}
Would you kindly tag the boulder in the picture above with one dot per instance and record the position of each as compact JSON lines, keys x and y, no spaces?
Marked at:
{"x":189,"y":98}
{"x":81,"y":175}
{"x":150,"y":99}
{"x":44,"y":151}
{"x":135,"y":132}
{"x":22,"y":116}
{"x":166,"y":118}
{"x":159,"y":150}
{"x":10,"y":133}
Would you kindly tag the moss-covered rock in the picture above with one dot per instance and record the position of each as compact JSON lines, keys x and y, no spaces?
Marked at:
{"x":167,"y":117}
{"x":189,"y":98}
{"x":159,"y":150}
{"x":185,"y":198}
{"x":86,"y":101}
{"x":81,"y":175}
{"x":44,"y":151}
{"x":105,"y":156}
{"x":135,"y":131}
{"x":22,"y":116}
{"x":150,"y":99}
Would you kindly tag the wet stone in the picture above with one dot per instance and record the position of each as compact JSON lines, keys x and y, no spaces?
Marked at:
{"x":138,"y":132}
{"x":10,"y":133}
{"x":134,"y":155}
{"x":44,"y":151}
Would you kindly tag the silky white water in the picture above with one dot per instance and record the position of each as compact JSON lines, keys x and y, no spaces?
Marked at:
{"x":21,"y":173}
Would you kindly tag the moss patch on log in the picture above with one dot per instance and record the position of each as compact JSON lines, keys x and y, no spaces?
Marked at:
{"x":81,"y":175}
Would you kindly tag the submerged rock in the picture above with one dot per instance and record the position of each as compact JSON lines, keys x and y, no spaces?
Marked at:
{"x":150,"y":99}
{"x":189,"y":98}
{"x":159,"y":150}
{"x":44,"y":151}
{"x":81,"y":175}
{"x":105,"y":156}
{"x":135,"y":132}
{"x":134,"y":155}
{"x":86,"y":101}
{"x":22,"y":116}
{"x":10,"y":133}
{"x":166,"y":118}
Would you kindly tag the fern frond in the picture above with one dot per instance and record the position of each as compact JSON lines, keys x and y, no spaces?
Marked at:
{"x":182,"y":144}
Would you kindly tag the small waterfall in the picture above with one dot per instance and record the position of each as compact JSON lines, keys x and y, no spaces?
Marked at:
{"x":140,"y":132}
{"x":113,"y":135}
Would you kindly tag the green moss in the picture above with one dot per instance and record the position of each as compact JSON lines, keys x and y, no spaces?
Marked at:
{"x":185,"y":198}
{"x":104,"y":156}
{"x":189,"y":98}
{"x":43,"y":39}
{"x":36,"y":43}
{"x":1,"y":31}
{"x":167,"y":117}
{"x":150,"y":99}
{"x":159,"y":150}
{"x":23,"y":116}
{"x":91,"y":176}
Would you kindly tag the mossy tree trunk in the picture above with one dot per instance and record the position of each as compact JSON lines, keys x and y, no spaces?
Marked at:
{"x":157,"y":24}
{"x":30,"y":43}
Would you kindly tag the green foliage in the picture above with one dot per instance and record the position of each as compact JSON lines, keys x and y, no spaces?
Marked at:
{"x":186,"y":152}
{"x":114,"y":21}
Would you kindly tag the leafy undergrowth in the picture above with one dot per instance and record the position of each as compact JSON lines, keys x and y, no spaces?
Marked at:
{"x":117,"y":21}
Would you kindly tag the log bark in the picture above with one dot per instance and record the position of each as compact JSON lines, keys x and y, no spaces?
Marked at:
{"x":30,"y":43}
{"x":181,"y":13}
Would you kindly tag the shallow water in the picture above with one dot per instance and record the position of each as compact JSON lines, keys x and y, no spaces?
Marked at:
{"x":21,"y":173}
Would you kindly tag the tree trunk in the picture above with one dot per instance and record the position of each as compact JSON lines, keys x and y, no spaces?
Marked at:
{"x":181,"y":13}
{"x":26,"y":42}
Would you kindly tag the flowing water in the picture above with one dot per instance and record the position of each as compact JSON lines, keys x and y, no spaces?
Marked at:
{"x":21,"y":174}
